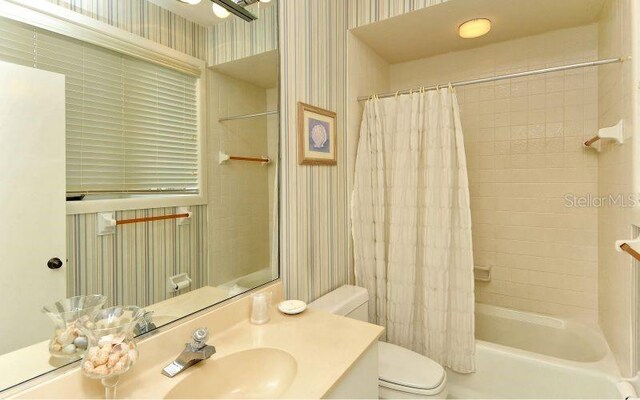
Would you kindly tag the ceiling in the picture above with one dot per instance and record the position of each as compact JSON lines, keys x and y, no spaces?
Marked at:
{"x":200,"y":13}
{"x":260,"y":70}
{"x":433,"y":30}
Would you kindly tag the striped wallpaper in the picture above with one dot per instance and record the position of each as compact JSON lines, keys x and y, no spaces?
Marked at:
{"x":314,"y":199}
{"x":139,"y":257}
{"x":363,"y":12}
{"x":145,"y":19}
{"x":235,"y":39}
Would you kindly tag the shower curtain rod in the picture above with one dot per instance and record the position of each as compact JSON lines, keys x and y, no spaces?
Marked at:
{"x":506,"y":76}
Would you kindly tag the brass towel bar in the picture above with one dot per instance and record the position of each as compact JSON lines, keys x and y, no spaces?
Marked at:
{"x":628,"y":249}
{"x":591,"y":141}
{"x":149,"y":219}
{"x":254,"y":159}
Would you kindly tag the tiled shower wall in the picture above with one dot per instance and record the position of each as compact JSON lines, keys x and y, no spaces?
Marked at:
{"x":523,"y":140}
{"x":239,"y":192}
{"x":139,"y":257}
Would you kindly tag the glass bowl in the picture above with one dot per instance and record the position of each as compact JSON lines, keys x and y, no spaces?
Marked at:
{"x":111,"y":350}
{"x":68,"y":341}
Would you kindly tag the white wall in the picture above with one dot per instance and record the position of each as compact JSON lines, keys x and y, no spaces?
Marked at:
{"x":368,"y":73}
{"x":616,"y":176}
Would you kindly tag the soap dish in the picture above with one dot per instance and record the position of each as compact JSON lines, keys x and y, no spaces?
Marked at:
{"x":292,"y":307}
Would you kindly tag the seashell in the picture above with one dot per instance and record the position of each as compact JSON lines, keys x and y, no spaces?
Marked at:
{"x":113,"y":359}
{"x":101,"y":358}
{"x":101,"y":370}
{"x":105,"y":340}
{"x":56,"y":347}
{"x":118,"y":339}
{"x":69,"y":349}
{"x":87,"y":366}
{"x":65,"y":338}
{"x":119,"y":367}
{"x":92,"y":353}
{"x":132,"y":345}
{"x":319,"y":136}
{"x":81,"y":342}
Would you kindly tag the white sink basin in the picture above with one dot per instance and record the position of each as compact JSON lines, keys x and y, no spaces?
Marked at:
{"x":249,"y":374}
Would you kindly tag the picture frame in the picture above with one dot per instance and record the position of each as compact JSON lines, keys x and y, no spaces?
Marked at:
{"x":317,"y":143}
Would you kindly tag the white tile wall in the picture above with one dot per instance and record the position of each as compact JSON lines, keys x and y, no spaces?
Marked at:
{"x":523,"y":139}
{"x":239,"y":192}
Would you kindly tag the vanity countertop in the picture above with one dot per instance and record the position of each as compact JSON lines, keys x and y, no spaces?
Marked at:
{"x":323,"y":345}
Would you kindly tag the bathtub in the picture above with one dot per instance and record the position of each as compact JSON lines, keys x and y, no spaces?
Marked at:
{"x":525,"y":355}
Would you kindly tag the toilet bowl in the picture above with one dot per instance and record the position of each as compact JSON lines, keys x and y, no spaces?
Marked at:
{"x":402,"y":373}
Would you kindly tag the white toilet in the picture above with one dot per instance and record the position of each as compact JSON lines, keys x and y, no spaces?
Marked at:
{"x":403,"y":374}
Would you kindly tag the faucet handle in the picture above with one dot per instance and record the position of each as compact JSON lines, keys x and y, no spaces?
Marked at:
{"x":199,"y":338}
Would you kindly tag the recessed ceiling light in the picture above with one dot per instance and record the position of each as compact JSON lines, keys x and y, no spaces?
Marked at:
{"x":220,"y":11}
{"x":194,"y":2}
{"x":474,"y":28}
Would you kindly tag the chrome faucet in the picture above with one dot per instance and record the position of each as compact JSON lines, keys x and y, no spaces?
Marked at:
{"x":192,"y":354}
{"x":145,"y":325}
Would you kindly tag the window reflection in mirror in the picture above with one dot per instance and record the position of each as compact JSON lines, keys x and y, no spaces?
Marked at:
{"x":132,"y":180}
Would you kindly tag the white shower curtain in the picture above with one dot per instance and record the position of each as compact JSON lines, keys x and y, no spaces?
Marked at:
{"x":411,"y":225}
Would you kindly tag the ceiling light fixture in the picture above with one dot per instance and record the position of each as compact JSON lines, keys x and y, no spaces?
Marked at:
{"x":474,"y":28}
{"x":235,"y":9}
{"x":192,"y":2}
{"x":220,"y":11}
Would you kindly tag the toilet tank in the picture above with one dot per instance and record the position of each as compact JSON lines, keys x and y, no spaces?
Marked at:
{"x":349,"y":301}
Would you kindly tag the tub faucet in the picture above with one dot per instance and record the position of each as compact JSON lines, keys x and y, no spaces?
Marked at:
{"x":192,"y":354}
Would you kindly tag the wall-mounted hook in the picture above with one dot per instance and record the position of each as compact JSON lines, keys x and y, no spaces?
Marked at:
{"x":106,"y":223}
{"x":629,"y":247}
{"x":615,"y":132}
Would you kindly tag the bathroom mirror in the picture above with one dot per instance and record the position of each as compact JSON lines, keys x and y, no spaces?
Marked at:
{"x":131,"y":170}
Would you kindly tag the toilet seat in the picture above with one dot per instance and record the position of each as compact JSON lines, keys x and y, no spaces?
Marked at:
{"x":407,"y":371}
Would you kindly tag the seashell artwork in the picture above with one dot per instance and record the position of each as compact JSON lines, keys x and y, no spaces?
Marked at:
{"x":316,"y":135}
{"x":319,"y":136}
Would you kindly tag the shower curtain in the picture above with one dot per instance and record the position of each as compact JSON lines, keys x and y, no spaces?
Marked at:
{"x":411,"y":225}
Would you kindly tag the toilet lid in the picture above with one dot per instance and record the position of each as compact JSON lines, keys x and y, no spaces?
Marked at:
{"x":402,"y":367}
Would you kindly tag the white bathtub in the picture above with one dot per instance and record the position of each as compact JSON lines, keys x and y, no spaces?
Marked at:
{"x":526,"y":355}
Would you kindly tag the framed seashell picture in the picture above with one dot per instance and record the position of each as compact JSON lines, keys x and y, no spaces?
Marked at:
{"x":316,"y":135}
